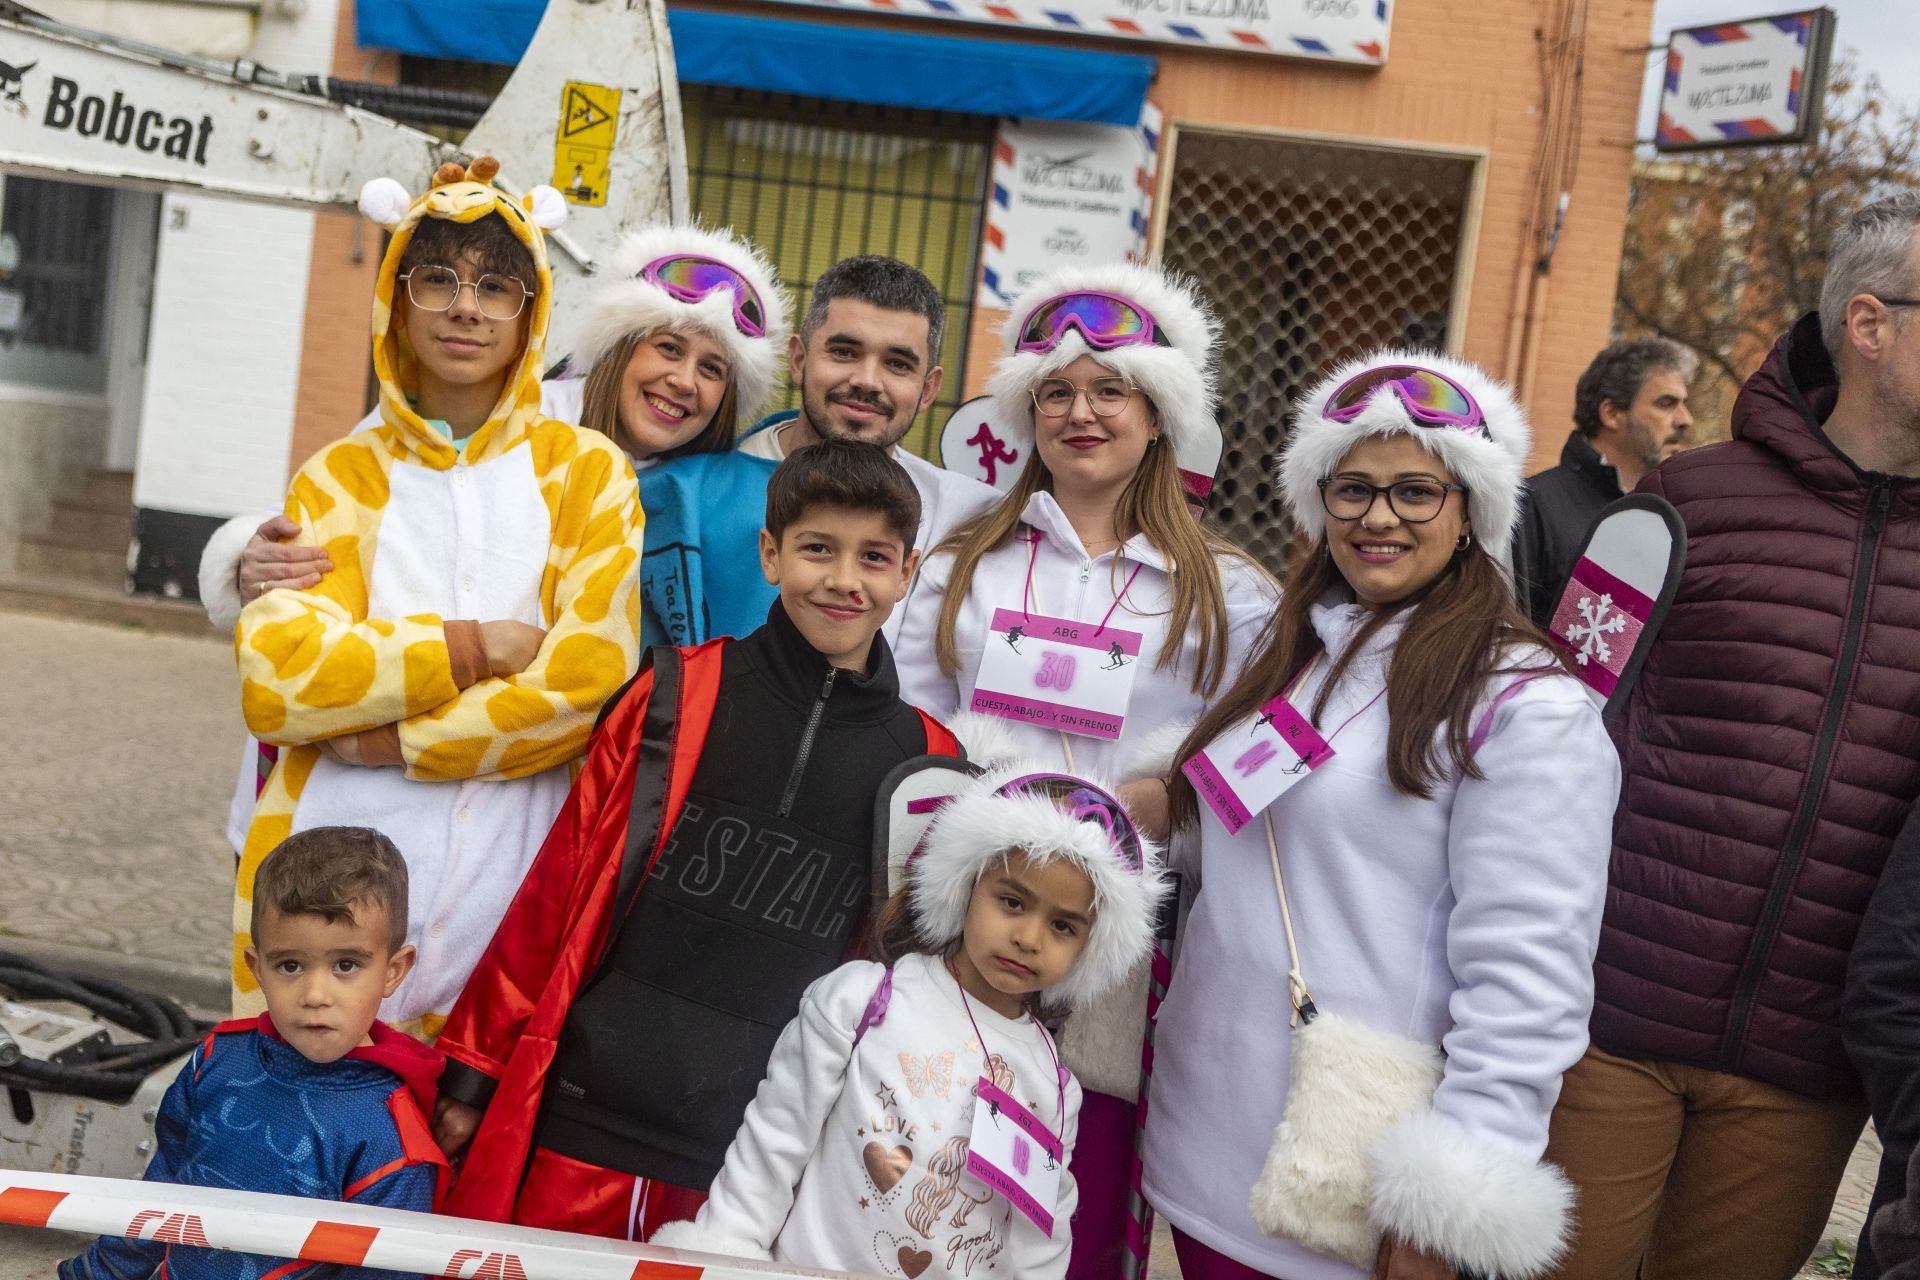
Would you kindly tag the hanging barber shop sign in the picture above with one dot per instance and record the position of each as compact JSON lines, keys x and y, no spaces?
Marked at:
{"x":1065,"y":192}
{"x":1755,"y":83}
{"x":1334,"y":30}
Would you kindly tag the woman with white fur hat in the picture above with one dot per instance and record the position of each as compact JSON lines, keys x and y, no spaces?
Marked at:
{"x":1113,"y":366}
{"x":1421,"y":902}
{"x":1029,"y":889}
{"x":684,"y":335}
{"x":684,"y":332}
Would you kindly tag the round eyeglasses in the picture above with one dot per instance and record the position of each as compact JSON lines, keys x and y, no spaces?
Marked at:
{"x":1054,"y":397}
{"x":1414,"y":501}
{"x":437,"y":288}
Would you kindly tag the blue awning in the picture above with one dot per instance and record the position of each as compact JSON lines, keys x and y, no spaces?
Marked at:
{"x":809,"y":59}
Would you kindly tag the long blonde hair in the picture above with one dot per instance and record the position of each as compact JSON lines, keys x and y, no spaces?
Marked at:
{"x":1153,"y":503}
{"x":600,"y":403}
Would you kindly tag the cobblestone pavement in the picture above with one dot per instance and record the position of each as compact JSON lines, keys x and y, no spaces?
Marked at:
{"x":115,"y":773}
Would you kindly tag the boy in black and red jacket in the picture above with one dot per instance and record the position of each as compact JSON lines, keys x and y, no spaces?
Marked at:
{"x":711,"y":862}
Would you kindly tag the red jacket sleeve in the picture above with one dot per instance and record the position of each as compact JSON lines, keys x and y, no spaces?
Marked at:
{"x":506,"y":987}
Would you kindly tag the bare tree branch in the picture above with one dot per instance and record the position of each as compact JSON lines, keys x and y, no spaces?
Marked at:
{"x":1725,"y":249}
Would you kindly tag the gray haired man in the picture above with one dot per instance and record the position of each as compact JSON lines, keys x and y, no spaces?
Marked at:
{"x":1629,"y":415}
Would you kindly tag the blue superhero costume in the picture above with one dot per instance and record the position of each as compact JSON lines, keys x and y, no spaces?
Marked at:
{"x":249,"y":1112}
{"x":700,"y":573}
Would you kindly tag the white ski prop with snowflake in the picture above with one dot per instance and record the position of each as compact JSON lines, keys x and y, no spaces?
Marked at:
{"x":1619,"y":593}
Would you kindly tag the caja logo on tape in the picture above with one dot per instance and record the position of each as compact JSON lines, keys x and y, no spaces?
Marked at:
{"x":174,"y":1228}
{"x":492,"y":1266}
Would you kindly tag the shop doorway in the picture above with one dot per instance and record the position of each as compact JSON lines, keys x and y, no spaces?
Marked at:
{"x":812,"y":181}
{"x":1312,"y":251}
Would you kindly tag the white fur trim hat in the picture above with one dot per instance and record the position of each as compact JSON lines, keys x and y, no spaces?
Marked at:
{"x":1177,"y":378}
{"x":620,"y":302}
{"x":1044,"y":815}
{"x":1491,"y":464}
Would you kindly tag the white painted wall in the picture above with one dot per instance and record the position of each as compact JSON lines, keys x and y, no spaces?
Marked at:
{"x":136,"y":222}
{"x":223,"y":356}
{"x":229,"y":297}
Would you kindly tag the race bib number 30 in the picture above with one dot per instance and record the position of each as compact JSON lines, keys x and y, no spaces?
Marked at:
{"x":1057,"y":673}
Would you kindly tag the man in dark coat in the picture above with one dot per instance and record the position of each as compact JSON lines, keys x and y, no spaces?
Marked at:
{"x":1629,"y":416}
{"x":1883,"y":1038}
{"x":1770,"y":753}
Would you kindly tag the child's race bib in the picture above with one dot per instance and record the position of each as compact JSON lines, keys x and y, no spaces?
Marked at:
{"x":1014,"y":1154}
{"x":1057,"y":673}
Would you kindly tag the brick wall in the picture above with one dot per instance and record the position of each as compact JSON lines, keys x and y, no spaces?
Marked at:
{"x":1474,"y":81}
{"x":1457,"y":81}
{"x":336,"y":363}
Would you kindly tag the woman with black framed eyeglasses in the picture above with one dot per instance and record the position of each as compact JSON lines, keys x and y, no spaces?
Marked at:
{"x":1084,"y":619}
{"x":1403,"y":806}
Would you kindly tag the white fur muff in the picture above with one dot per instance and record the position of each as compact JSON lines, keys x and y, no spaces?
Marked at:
{"x":1349,"y":1086}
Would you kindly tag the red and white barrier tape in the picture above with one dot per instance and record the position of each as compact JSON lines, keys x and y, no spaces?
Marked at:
{"x":327,"y":1231}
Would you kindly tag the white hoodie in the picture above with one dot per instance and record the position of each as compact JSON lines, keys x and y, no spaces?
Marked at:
{"x":1468,"y":920}
{"x":851,"y":1156}
{"x":1068,"y":583}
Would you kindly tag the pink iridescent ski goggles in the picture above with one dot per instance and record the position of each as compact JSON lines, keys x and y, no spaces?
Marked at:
{"x":1104,"y":320}
{"x":1084,"y":802}
{"x":1430,"y":399}
{"x":690,"y":277}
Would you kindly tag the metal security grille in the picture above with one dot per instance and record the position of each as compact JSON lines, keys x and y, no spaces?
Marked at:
{"x":812,"y":181}
{"x":1313,"y":252}
{"x":63,"y":231}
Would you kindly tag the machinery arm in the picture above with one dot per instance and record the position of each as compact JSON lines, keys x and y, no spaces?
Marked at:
{"x":592,"y":108}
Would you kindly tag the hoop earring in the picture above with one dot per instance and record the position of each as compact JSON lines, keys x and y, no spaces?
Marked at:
{"x":1466,"y":540}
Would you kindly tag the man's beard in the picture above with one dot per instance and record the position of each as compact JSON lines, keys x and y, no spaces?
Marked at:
{"x":885,"y":432}
{"x":1650,"y":447}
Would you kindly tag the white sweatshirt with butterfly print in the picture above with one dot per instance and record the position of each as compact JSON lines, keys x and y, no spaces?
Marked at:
{"x":852,"y":1157}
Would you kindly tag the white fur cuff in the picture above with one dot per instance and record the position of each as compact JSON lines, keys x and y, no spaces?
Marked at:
{"x":1481,"y":1207}
{"x":220,"y":568}
{"x":1151,"y":754}
{"x":1101,"y":1043}
{"x":695,"y":1238}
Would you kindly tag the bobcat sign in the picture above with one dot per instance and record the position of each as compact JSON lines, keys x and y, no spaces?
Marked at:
{"x":1758,"y":82}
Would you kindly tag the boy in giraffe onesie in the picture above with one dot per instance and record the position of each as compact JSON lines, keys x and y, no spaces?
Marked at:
{"x":437,"y":684}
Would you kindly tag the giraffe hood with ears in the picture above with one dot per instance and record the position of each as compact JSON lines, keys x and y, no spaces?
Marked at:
{"x":391,"y":659}
{"x":465,"y":196}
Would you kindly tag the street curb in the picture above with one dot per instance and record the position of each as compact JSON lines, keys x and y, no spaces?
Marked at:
{"x":56,"y":599}
{"x":201,"y":989}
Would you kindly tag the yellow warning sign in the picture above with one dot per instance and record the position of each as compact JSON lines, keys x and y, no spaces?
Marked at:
{"x":583,"y":142}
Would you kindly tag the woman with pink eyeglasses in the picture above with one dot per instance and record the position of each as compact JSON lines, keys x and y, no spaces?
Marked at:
{"x":1085,"y":620}
{"x":1403,"y":805}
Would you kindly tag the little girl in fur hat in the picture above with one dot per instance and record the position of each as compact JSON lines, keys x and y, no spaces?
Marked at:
{"x":1028,"y":887}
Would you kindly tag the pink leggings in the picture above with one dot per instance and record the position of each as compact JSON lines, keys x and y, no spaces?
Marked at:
{"x":1197,"y":1262}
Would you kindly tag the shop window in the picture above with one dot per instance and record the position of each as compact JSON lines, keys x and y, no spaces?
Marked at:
{"x":55,"y":260}
{"x":1313,"y":252}
{"x":812,"y":182}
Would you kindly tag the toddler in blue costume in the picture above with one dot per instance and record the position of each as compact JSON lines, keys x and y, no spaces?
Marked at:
{"x":314,"y":1097}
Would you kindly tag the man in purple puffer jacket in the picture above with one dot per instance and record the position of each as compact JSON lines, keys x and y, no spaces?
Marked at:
{"x":1770,"y":753}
